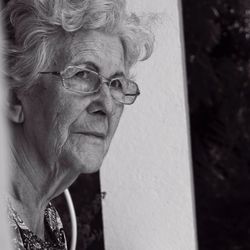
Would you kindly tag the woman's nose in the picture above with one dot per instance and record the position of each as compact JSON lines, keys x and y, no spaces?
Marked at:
{"x":104,"y":101}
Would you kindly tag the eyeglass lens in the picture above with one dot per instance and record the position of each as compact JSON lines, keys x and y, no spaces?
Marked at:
{"x":87,"y":81}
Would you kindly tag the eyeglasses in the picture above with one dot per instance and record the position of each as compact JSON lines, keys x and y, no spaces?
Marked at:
{"x":80,"y":79}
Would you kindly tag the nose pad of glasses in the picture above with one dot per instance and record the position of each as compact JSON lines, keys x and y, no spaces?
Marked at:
{"x":104,"y":88}
{"x":104,"y":99}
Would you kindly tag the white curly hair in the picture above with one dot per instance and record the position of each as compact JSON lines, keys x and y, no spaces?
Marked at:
{"x":34,"y":27}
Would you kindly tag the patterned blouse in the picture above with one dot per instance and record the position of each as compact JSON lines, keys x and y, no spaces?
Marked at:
{"x":24,"y":239}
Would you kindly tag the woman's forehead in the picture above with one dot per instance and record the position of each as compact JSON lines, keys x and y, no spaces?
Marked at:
{"x":106,"y":51}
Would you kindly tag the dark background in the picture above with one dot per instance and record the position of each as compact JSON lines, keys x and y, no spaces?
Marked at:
{"x":86,"y":196}
{"x":217,"y":42}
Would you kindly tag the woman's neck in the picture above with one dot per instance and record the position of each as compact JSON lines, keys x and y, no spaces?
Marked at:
{"x":27,"y":199}
{"x":34,"y":183}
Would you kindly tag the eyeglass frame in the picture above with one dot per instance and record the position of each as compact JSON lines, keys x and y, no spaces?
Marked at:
{"x":102,"y":79}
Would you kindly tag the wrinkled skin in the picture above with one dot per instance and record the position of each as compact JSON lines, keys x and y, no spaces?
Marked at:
{"x":56,"y":119}
{"x":58,"y":134}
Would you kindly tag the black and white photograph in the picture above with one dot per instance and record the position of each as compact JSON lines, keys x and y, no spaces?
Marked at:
{"x":95,"y":126}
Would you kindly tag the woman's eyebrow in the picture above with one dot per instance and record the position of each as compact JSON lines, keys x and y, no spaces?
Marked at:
{"x":97,"y":69}
{"x":92,"y":66}
{"x":117,"y":74}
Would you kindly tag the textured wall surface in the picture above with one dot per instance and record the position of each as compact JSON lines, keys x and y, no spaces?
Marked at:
{"x":147,"y":173}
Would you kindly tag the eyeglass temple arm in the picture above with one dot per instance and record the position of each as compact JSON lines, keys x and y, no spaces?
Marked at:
{"x":50,"y":72}
{"x":133,"y":94}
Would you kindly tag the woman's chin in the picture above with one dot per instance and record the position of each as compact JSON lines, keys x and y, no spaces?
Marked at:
{"x":84,"y":163}
{"x":91,"y":169}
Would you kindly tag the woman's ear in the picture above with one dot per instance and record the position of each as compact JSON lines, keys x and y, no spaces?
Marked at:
{"x":15,"y":108}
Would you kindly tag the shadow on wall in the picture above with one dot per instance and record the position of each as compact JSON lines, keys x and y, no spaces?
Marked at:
{"x":217,"y":34}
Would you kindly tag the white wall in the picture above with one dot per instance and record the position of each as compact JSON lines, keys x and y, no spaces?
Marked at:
{"x":147,"y":173}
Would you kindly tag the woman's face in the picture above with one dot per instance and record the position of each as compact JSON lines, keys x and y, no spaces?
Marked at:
{"x":69,"y":131}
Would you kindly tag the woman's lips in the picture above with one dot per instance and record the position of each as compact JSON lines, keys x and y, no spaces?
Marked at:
{"x":97,"y":134}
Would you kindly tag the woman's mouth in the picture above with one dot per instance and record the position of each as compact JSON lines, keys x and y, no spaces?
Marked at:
{"x":97,"y":134}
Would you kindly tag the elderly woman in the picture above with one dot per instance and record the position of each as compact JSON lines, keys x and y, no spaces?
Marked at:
{"x":68,"y":73}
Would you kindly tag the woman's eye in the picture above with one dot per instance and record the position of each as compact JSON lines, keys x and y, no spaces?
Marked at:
{"x":84,"y":74}
{"x":116,"y":84}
